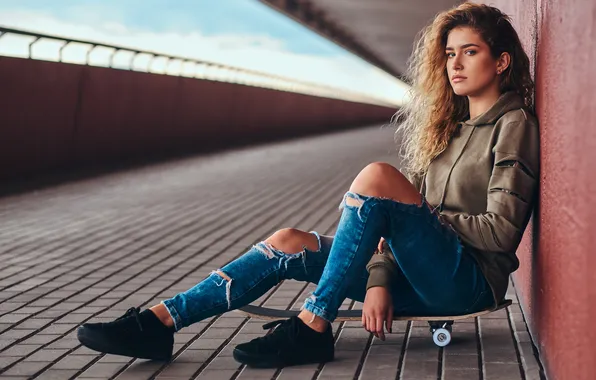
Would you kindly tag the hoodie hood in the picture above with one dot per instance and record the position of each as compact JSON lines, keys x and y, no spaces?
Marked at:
{"x":508,"y":101}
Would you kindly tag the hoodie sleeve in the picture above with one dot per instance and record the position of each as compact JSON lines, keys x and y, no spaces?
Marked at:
{"x":511,"y":192}
{"x":381,"y":268}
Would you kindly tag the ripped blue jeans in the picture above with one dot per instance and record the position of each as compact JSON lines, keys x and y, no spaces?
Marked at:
{"x":435,"y":276}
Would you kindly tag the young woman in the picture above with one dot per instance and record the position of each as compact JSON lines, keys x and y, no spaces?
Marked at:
{"x":446,"y":238}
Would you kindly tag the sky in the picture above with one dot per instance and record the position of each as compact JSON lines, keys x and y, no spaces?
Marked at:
{"x":241,"y":33}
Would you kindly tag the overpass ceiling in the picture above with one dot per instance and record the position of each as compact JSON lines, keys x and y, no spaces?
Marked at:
{"x":381,"y":32}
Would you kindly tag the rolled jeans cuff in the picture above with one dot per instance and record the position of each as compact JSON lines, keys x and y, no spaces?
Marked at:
{"x":173,"y":314}
{"x":319,"y":312}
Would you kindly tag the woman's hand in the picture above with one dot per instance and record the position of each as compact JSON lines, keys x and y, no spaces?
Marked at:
{"x":378,"y":308}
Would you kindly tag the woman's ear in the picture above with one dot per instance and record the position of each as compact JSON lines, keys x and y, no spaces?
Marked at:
{"x":503,"y":62}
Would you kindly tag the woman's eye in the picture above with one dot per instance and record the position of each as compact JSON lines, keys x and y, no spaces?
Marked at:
{"x":471,"y":51}
{"x":450,"y":55}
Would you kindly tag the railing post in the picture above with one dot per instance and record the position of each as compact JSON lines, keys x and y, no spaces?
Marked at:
{"x":60,"y":51}
{"x":89,"y":53}
{"x":31,"y":45}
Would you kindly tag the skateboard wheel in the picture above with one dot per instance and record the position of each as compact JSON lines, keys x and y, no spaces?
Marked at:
{"x":441,"y":337}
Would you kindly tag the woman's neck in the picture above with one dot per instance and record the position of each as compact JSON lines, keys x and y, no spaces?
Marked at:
{"x":481,"y":103}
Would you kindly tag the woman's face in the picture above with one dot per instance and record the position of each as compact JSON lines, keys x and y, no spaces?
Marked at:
{"x":469,"y":56}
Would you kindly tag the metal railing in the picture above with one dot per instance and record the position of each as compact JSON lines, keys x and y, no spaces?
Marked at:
{"x":192,"y":68}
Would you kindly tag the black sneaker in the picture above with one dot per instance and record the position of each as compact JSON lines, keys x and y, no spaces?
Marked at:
{"x":138,"y":335}
{"x":291,"y":343}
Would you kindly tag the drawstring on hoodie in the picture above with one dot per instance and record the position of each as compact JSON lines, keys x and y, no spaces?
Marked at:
{"x":440,"y":206}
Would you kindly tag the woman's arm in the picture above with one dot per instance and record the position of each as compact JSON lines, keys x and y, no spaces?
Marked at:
{"x":511,"y":192}
{"x":377,"y":310}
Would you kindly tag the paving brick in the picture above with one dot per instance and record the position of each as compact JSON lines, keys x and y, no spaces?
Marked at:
{"x":19,"y":350}
{"x":460,"y":362}
{"x":378,"y":374}
{"x":499,"y":355}
{"x":56,"y":329}
{"x":530,"y":365}
{"x":12,"y":318}
{"x":40,"y":338}
{"x":223,"y":363}
{"x":385,"y":349}
{"x":498,"y":371}
{"x":46,"y":355}
{"x":193,"y":356}
{"x":109,"y":358}
{"x":16,"y":334}
{"x":344,"y":364}
{"x":74,"y":362}
{"x":32,"y":323}
{"x":215,"y":333}
{"x":180,"y":370}
{"x":64,"y":343}
{"x":5,"y":342}
{"x":102,"y":370}
{"x":461,"y":374}
{"x":9,"y":306}
{"x":419,"y":370}
{"x":203,"y":344}
{"x":216,"y":374}
{"x":381,"y":362}
{"x":57,"y":374}
{"x":25,"y":369}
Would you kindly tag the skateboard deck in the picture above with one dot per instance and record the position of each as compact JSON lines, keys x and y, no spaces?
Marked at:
{"x":356,"y":315}
{"x":440,"y":326}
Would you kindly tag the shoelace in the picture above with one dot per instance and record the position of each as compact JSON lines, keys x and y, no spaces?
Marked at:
{"x":133,"y":311}
{"x":287,"y":331}
{"x":269,"y":325}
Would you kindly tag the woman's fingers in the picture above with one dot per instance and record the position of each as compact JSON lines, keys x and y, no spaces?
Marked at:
{"x":375,"y":326}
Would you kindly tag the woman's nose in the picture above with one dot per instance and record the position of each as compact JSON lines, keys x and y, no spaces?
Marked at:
{"x":456,"y":63}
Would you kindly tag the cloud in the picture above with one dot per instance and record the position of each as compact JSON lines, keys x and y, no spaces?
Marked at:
{"x":257,"y":52}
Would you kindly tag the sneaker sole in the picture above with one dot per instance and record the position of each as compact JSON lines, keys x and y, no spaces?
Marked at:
{"x":96,"y":343}
{"x":261,"y":362}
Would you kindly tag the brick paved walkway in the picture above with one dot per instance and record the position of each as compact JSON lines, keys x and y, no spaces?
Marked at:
{"x":90,"y":249}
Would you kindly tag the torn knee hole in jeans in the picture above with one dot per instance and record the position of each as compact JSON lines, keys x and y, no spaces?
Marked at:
{"x":266,"y":249}
{"x":271,"y":252}
{"x":228,"y":282}
{"x":352,"y":200}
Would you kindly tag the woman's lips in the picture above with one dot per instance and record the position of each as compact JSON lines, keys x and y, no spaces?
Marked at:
{"x":458,"y":79}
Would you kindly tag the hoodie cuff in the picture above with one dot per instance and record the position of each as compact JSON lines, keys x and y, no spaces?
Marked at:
{"x":379,"y":275}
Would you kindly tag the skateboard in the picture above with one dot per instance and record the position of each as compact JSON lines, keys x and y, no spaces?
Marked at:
{"x":440,"y":326}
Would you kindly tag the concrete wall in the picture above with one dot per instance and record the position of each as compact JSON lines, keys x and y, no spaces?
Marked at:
{"x":57,"y":115}
{"x":557,"y":277}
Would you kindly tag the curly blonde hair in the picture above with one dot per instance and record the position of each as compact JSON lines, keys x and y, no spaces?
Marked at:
{"x":427,"y":121}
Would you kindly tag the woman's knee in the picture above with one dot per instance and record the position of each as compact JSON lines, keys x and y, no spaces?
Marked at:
{"x":292,"y":240}
{"x":380,"y":179}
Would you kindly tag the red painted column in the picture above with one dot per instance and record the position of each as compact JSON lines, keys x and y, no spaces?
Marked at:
{"x":557,"y":277}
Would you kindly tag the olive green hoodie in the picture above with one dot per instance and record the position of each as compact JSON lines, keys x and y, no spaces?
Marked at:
{"x":484,"y":185}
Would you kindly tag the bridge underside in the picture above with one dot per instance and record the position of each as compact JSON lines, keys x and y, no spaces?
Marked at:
{"x":379,"y":31}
